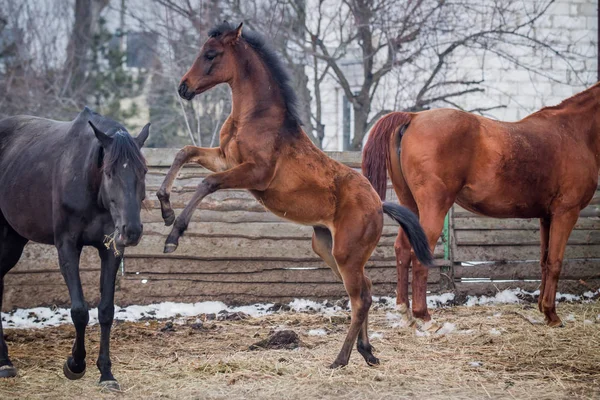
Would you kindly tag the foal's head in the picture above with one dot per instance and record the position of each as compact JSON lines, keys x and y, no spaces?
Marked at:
{"x":123,"y":182}
{"x":215,"y":63}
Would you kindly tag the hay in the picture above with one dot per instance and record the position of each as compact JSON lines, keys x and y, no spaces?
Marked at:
{"x":488,"y":352}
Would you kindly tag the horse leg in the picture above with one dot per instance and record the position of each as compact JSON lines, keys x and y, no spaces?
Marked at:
{"x":403,"y":257}
{"x":11,"y":248}
{"x":352,"y":246}
{"x":402,"y":247}
{"x":210,"y":158}
{"x":363,"y":344}
{"x":560,"y":229}
{"x":243,"y":176}
{"x":545,"y":237}
{"x":68,"y":258}
{"x":322,"y":244}
{"x":106,"y":312}
{"x":432,"y":211}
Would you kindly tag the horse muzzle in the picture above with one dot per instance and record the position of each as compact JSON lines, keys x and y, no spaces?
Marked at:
{"x":185,"y":92}
{"x":131,"y":234}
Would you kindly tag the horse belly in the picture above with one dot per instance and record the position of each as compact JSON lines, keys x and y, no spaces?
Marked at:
{"x":299,"y":207}
{"x":503,"y":203}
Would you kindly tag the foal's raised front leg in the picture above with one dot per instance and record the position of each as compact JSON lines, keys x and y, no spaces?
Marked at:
{"x":106,"y":313}
{"x":210,"y":158}
{"x":68,"y":257}
{"x":243,"y":176}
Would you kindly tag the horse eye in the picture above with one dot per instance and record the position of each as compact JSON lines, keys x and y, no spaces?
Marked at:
{"x":210,"y":55}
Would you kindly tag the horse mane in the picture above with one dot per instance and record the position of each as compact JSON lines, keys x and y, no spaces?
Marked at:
{"x":123,"y":149}
{"x":272,"y":62}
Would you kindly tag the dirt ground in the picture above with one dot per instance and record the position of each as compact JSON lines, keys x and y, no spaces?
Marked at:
{"x":491,"y":352}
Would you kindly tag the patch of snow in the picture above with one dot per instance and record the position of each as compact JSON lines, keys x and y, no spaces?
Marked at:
{"x":376,"y":335}
{"x":495,"y":332}
{"x":434,"y":301}
{"x":587,"y":322}
{"x":508,"y":296}
{"x":317,"y":332}
{"x":497,"y":315}
{"x":570,"y":318}
{"x":396,"y":320}
{"x":420,"y":333}
{"x":304,"y":305}
{"x":41,"y":316}
{"x":448,"y":327}
{"x":475,"y":364}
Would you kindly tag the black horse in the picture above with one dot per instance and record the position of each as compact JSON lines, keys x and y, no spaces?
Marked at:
{"x":71,"y":184}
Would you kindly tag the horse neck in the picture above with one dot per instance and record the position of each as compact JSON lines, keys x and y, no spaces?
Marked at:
{"x":255,"y":93}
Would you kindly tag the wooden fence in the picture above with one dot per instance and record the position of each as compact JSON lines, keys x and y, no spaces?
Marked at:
{"x":237,"y":252}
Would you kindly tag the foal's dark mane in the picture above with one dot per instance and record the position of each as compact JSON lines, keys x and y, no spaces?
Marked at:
{"x":123,"y":149}
{"x":273,"y":64}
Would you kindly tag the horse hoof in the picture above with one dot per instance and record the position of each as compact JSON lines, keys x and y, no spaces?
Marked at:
{"x":556,"y":324}
{"x":336,"y":365}
{"x":169,"y":248}
{"x":372,"y":361}
{"x":111,"y":385}
{"x":70,"y":374}
{"x":8,"y":371}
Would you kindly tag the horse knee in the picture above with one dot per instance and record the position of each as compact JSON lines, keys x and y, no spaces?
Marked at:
{"x":80,"y":315}
{"x":106,"y":314}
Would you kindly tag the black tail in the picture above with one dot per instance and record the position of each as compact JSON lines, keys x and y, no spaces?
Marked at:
{"x":410,"y":224}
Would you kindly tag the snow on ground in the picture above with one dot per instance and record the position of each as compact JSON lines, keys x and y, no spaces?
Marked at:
{"x":43,"y":316}
{"x":317,"y":332}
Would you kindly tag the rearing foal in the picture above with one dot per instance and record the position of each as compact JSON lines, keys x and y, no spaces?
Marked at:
{"x":544,"y":166}
{"x":263,"y":149}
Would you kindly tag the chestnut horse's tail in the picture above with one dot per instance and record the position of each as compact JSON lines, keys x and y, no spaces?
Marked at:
{"x":413,"y":229}
{"x":376,"y":154}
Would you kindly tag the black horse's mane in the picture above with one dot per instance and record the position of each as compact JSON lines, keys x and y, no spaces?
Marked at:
{"x":272,"y":62}
{"x":123,"y":150}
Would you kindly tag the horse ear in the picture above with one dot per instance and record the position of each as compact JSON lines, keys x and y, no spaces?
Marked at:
{"x":141,"y":138}
{"x":234,"y":36}
{"x":104,"y":139}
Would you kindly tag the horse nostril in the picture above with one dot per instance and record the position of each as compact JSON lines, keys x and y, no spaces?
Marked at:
{"x":182,"y":89}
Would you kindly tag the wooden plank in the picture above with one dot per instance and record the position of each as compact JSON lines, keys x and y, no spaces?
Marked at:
{"x":491,"y":288}
{"x":321,"y":275}
{"x":164,"y":156}
{"x":227,"y":248}
{"x":571,"y":269}
{"x":509,"y":253}
{"x":519,"y":237}
{"x":589,"y":211}
{"x":136,"y":292}
{"x":480,"y":223}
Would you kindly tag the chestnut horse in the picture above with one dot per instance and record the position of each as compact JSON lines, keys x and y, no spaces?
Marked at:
{"x":263,"y":149}
{"x":544,"y":166}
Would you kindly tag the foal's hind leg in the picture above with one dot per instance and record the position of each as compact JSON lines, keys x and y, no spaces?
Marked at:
{"x":210,"y":158}
{"x":353,"y":243}
{"x":11,"y":248}
{"x":322,"y":243}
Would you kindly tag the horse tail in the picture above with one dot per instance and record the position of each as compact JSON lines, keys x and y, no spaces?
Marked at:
{"x":410,"y":224}
{"x":376,"y":154}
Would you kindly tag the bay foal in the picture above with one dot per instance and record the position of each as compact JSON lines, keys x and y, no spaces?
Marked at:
{"x":263,"y":149}
{"x":544,"y":166}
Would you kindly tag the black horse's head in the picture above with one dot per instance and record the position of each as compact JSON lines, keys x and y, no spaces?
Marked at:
{"x":123,"y":183}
